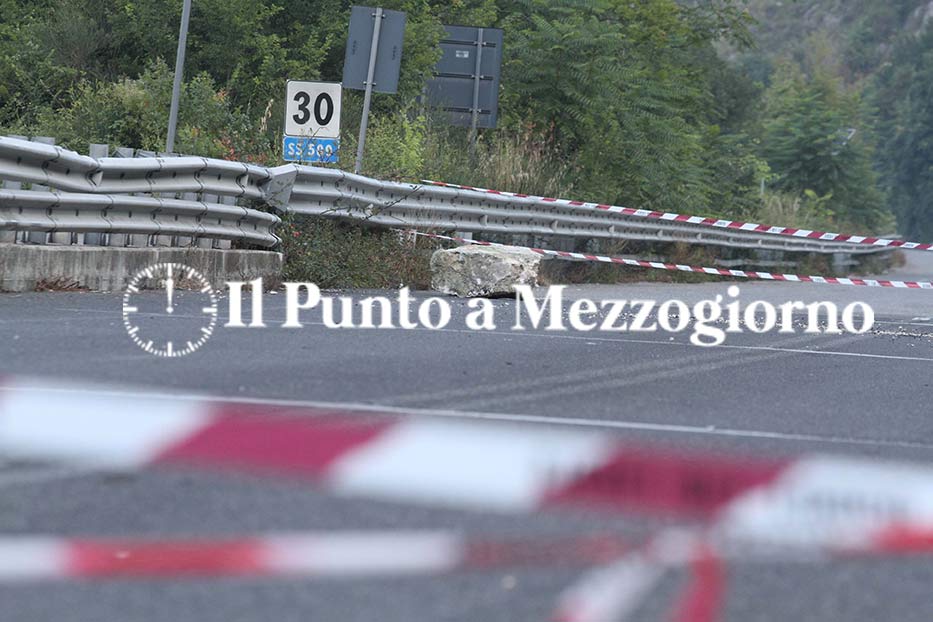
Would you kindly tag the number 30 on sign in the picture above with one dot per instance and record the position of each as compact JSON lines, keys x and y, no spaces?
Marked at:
{"x":312,"y":109}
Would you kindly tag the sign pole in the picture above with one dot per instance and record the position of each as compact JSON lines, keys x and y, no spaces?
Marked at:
{"x":474,"y":120}
{"x":179,"y":69}
{"x":368,"y":97}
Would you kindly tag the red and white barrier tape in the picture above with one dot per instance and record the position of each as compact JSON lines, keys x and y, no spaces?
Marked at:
{"x":822,"y":504}
{"x":709,"y":222}
{"x":503,"y":468}
{"x":702,"y":599}
{"x":814,"y":501}
{"x":742,"y":274}
{"x":325,"y":554}
{"x":614,"y":588}
{"x":610,"y":593}
{"x":616,"y":591}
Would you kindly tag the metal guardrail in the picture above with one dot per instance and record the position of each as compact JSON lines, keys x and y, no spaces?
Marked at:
{"x":94,"y":196}
{"x":58,"y":168}
{"x":311,"y":191}
{"x":89,"y":213}
{"x":329,"y":192}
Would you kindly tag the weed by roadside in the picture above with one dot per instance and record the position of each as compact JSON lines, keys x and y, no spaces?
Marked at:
{"x":335,"y":255}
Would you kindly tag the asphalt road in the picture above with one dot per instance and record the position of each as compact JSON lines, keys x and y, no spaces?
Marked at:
{"x":766,"y":395}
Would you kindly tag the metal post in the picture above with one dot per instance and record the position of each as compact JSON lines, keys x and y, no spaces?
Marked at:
{"x":42,"y":237}
{"x":96,"y":151}
{"x":179,"y":68}
{"x":368,"y":97}
{"x":13,"y":236}
{"x":477,"y":76}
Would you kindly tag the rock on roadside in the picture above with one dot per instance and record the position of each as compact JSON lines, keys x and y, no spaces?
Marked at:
{"x":483,"y":270}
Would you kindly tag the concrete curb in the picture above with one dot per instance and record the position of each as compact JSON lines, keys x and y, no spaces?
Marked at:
{"x":26,"y":268}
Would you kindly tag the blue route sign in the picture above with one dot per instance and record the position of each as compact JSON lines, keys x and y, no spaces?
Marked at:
{"x":309,"y":150}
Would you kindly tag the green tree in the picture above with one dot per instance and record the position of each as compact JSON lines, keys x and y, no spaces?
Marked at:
{"x":30,"y":75}
{"x":131,"y":112}
{"x":905,"y":98}
{"x":813,"y":140}
{"x":621,"y":87}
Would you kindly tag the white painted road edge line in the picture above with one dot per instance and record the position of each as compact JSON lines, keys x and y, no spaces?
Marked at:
{"x":641,"y":426}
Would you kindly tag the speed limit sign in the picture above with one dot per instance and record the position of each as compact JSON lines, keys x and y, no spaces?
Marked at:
{"x":312,"y":109}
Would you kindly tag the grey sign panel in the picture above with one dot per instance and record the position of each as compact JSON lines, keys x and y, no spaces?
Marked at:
{"x":388,"y":51}
{"x":456,"y":85}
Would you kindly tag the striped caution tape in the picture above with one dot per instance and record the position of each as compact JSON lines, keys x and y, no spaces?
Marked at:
{"x":324,"y":554}
{"x":352,"y":554}
{"x":742,"y":274}
{"x":460,"y":464}
{"x":812,"y":501}
{"x":817,"y":506}
{"x":616,"y":590}
{"x":709,"y":222}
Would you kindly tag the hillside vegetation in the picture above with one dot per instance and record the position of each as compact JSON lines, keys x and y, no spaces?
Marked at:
{"x":815,"y":111}
{"x":880,"y":55}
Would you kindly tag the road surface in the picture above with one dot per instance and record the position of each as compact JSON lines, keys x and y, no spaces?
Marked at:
{"x":763,"y":395}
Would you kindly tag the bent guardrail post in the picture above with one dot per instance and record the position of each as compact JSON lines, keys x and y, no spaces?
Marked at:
{"x":277,"y":191}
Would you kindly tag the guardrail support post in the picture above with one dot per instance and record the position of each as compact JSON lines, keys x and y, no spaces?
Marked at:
{"x":96,"y":151}
{"x":12,"y":236}
{"x":124,"y":239}
{"x":225,"y":244}
{"x":842,"y":263}
{"x":42,"y":237}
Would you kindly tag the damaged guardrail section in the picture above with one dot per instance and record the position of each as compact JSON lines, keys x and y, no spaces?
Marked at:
{"x":165,"y":201}
{"x":176,"y":189}
{"x":329,"y":192}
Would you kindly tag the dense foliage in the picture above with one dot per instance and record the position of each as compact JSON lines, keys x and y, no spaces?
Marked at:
{"x":662,"y":104}
{"x":904,"y":97}
{"x":873,"y":63}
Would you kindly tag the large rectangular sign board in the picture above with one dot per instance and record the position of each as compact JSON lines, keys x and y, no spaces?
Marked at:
{"x":388,"y":49}
{"x":467,"y":76}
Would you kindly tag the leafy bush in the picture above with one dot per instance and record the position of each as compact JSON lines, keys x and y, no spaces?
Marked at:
{"x":339,"y":255}
{"x":395,"y":146}
{"x":788,"y":210}
{"x":134,"y":113}
{"x":522,"y":160}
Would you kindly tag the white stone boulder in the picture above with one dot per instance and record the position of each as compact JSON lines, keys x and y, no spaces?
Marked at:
{"x":483,"y":270}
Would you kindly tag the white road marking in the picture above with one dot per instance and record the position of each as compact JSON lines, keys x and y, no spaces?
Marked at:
{"x":631,"y":371}
{"x":624,"y":380}
{"x":501,"y":333}
{"x":689,"y":345}
{"x":704,"y":430}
